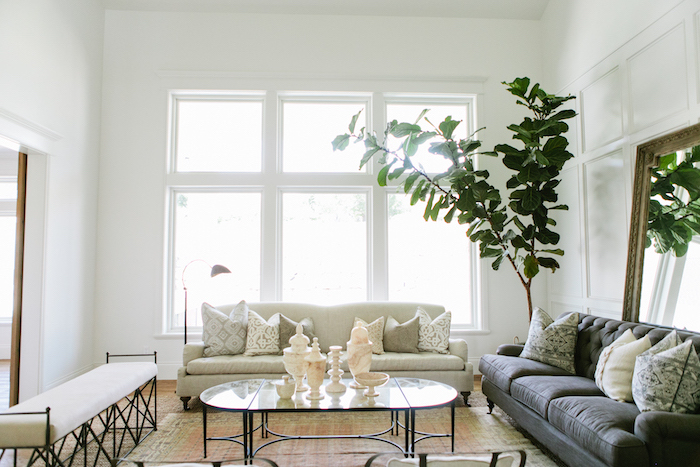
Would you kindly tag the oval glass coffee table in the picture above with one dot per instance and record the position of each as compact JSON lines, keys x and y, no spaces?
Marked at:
{"x":405,"y":395}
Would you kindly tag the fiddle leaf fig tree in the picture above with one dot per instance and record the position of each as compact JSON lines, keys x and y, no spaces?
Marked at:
{"x":515,"y":228}
{"x":674,"y":214}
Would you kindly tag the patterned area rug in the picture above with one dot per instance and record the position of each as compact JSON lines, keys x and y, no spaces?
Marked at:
{"x":179,"y":436}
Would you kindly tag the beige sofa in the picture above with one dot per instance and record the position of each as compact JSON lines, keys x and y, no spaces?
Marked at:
{"x":332,"y":326}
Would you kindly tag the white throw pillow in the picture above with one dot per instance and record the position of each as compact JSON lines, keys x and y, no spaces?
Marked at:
{"x":375,"y":329}
{"x":433,"y":334}
{"x":263,"y":336}
{"x":613,"y":373}
{"x":667,"y":377}
{"x":552,"y":342}
{"x":224,"y":335}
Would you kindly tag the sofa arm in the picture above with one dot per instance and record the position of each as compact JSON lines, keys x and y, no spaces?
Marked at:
{"x":192,"y":351}
{"x":459,"y":347}
{"x":510,"y":350}
{"x":671,"y":438}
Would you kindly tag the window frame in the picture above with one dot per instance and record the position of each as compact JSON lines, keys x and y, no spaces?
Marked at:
{"x":272,"y":182}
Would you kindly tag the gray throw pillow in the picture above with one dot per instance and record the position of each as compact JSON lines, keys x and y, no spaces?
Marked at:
{"x":666,"y":377}
{"x":401,"y":337}
{"x":552,"y":342}
{"x":288,"y":328}
{"x":224,"y":335}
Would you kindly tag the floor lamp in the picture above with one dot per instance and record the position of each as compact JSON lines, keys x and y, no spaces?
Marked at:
{"x":215,"y":271}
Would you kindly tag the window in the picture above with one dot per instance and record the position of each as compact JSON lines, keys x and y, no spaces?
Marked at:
{"x":254,"y":185}
{"x":8,"y":226}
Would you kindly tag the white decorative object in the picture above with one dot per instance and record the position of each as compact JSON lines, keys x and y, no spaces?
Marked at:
{"x":372,"y":380}
{"x":294,"y":356}
{"x":285,"y":388}
{"x":359,"y":354}
{"x":315,"y":371}
{"x":335,"y":386}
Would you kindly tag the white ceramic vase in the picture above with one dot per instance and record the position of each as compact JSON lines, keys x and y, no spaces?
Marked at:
{"x":359,"y":354}
{"x":294,"y":358}
{"x":315,"y":371}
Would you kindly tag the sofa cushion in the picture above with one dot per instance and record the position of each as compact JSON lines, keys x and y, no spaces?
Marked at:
{"x":602,"y":426}
{"x":222,"y":334}
{"x":666,"y":379}
{"x":552,"y":342}
{"x":233,"y":364}
{"x":375,"y":329}
{"x":263,"y":337}
{"x":424,"y":361}
{"x":401,"y":337}
{"x":433,"y":334}
{"x":288,"y":328}
{"x":502,"y":369}
{"x":613,"y":374}
{"x":537,"y":392}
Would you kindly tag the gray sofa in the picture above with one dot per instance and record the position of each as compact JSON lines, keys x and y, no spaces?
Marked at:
{"x":332,"y":326}
{"x":570,"y":416}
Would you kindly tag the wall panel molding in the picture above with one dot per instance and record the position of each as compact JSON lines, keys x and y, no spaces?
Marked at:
{"x":601,"y":111}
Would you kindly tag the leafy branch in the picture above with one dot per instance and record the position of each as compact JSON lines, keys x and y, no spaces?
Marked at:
{"x":673,"y":219}
{"x":463,"y":192}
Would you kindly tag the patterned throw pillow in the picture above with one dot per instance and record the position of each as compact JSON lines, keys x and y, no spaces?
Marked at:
{"x":667,"y":377}
{"x":613,"y":373}
{"x":288,"y":328}
{"x":375,"y":329}
{"x":401,"y":337}
{"x":552,"y":342}
{"x":224,"y":335}
{"x":263,"y":336}
{"x":433,"y":334}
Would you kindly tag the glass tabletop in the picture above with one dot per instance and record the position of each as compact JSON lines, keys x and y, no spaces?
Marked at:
{"x":236,"y":395}
{"x":390,"y":397}
{"x":261,"y":395}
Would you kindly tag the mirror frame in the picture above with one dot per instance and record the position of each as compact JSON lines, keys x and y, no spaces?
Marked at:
{"x":648,"y":155}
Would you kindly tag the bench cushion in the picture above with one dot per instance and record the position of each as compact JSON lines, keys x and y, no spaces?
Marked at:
{"x":72,"y":403}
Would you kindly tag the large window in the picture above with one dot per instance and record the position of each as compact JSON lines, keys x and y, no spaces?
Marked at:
{"x":255,"y":186}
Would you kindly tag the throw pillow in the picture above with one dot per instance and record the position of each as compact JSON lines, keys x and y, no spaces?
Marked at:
{"x":667,"y":377}
{"x":263,"y":336}
{"x":613,"y":373}
{"x":401,"y":337}
{"x":433,"y":334}
{"x":223,"y":335}
{"x":288,"y":328}
{"x":375,"y":329}
{"x":552,"y":342}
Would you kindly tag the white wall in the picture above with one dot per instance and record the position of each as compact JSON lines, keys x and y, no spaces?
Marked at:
{"x":633,"y":66}
{"x":148,"y":53}
{"x":50,"y":81}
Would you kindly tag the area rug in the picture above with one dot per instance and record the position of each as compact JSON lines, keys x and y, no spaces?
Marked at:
{"x":179,"y":436}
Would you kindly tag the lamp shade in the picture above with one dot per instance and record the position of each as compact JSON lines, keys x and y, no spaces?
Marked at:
{"x":219,"y":269}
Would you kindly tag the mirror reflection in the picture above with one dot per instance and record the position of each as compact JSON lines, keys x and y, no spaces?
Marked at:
{"x":671,"y":273}
{"x":663,"y":265}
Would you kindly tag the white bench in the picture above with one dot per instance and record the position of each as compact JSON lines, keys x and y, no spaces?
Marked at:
{"x":113,"y":405}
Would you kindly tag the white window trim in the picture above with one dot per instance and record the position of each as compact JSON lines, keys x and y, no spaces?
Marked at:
{"x":272,"y":182}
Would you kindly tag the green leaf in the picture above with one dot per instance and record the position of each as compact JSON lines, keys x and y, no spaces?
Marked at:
{"x":368,"y":156}
{"x":558,"y":251}
{"x":531,"y":199}
{"x":549,"y":263}
{"x":341,"y":142}
{"x":382,"y":175}
{"x":497,"y":262}
{"x":417,"y":192}
{"x":546,"y":236}
{"x":353,"y":121}
{"x":491,"y":252}
{"x":447,"y":127}
{"x":530,"y":267}
{"x":410,"y":180}
{"x":404,"y":129}
{"x":422,"y":114}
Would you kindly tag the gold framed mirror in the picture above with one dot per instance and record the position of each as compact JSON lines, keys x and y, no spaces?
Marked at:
{"x":643,"y":299}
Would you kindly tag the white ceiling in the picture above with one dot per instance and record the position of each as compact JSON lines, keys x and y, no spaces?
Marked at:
{"x":496,"y":9}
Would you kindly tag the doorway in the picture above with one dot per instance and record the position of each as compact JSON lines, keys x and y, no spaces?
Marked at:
{"x":12,"y":190}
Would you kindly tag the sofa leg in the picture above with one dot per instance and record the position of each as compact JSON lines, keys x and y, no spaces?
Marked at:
{"x":490,"y":404}
{"x":465,"y":395}
{"x":185,"y":401}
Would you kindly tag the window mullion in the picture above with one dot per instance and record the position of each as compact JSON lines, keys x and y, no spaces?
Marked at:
{"x":270,"y":254}
{"x":379,"y":248}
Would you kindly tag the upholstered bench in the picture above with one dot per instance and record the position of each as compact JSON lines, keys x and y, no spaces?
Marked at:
{"x":117,"y":399}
